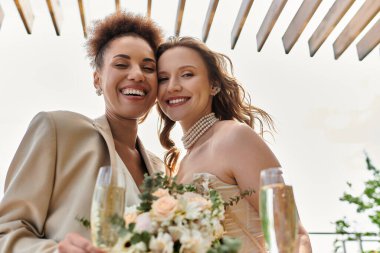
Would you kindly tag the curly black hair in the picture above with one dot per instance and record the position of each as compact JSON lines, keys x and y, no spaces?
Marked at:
{"x":116,"y":25}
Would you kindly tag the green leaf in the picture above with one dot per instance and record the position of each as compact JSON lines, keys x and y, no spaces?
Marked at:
{"x":341,"y":226}
{"x":145,"y":237}
{"x":136,"y":238}
{"x":366,"y":203}
{"x":84,"y":222}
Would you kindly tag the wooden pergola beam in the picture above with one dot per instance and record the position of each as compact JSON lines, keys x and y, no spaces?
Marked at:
{"x":117,"y":5}
{"x":209,"y":18}
{"x":270,"y":19}
{"x":299,"y":22}
{"x":245,"y":7}
{"x":25,"y":10}
{"x":82,"y":17}
{"x":360,"y":20}
{"x":55,"y":10}
{"x":370,"y":40}
{"x":178,"y":19}
{"x":149,"y":8}
{"x":327,"y":25}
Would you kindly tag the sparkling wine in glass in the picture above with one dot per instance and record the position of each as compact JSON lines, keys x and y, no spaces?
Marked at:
{"x":108,"y":201}
{"x":278,"y":212}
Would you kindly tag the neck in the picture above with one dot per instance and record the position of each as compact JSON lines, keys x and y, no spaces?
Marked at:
{"x":124,"y":131}
{"x":191,"y":121}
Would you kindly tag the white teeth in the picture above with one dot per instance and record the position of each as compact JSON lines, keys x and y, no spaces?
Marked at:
{"x":176,"y":101}
{"x":129,"y":91}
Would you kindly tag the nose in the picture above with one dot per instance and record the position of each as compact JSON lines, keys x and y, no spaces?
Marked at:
{"x":174,"y":85}
{"x":136,"y":74}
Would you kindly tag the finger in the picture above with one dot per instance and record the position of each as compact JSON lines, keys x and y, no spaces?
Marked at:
{"x":66,"y":247}
{"x":97,"y":250}
{"x":78,"y":241}
{"x":83,"y":243}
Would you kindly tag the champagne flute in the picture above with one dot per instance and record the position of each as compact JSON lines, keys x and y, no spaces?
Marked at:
{"x":108,"y":201}
{"x":278,"y":212}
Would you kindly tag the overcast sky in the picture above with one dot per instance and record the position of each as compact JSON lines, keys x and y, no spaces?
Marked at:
{"x":327,"y":111}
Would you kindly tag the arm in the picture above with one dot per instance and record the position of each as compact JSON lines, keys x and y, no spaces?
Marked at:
{"x":304,"y":244}
{"x":24,"y":210}
{"x":246,"y":156}
{"x":250,"y":156}
{"x":28,"y":189}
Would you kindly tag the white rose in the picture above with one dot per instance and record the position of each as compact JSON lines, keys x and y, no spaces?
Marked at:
{"x":196,"y":200}
{"x":192,"y":213}
{"x":194,"y":205}
{"x":176,"y":232}
{"x":163,"y":243}
{"x":143,"y":223}
{"x":193,"y":242}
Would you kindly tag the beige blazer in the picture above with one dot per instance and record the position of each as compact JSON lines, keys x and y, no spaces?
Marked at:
{"x":51,"y":180}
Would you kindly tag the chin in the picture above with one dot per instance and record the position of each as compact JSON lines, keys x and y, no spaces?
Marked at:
{"x":174,"y":115}
{"x":135,"y":115}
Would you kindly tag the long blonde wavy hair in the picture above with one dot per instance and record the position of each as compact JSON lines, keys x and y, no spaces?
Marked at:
{"x":231,"y":103}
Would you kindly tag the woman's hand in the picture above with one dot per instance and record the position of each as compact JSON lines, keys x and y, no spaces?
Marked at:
{"x":75,"y":243}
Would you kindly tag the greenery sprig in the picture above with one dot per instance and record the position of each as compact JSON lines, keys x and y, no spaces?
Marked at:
{"x":367,"y":202}
{"x":234,"y":200}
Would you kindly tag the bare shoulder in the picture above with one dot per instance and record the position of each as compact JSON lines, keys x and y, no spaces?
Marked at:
{"x":239,"y":142}
{"x":244,"y":154}
{"x":235,"y":134}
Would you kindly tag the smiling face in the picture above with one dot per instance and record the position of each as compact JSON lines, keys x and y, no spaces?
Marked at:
{"x":127,"y":77}
{"x":184,"y":92}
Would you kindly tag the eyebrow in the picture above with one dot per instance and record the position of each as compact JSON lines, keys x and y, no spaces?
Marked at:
{"x":187,"y":66}
{"x":125,"y":56}
{"x":180,"y":68}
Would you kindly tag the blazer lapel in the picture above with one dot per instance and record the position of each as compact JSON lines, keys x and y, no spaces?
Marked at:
{"x":152,"y":163}
{"x":104,"y":129}
{"x":145,"y":157}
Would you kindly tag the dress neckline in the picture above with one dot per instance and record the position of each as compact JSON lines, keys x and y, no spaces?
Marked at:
{"x":208,"y":174}
{"x":127,"y":174}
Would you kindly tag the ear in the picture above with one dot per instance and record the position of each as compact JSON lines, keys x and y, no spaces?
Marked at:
{"x":97,"y":82}
{"x":214,"y":90}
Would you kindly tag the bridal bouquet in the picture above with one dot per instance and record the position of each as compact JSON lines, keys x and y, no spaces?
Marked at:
{"x":173,"y":218}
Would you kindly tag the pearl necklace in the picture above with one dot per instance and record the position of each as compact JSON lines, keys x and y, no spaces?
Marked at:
{"x":198,"y":129}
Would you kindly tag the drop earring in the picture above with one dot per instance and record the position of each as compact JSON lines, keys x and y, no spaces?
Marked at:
{"x":99,"y":91}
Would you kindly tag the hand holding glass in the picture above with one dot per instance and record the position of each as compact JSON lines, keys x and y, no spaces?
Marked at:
{"x":278,"y":212}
